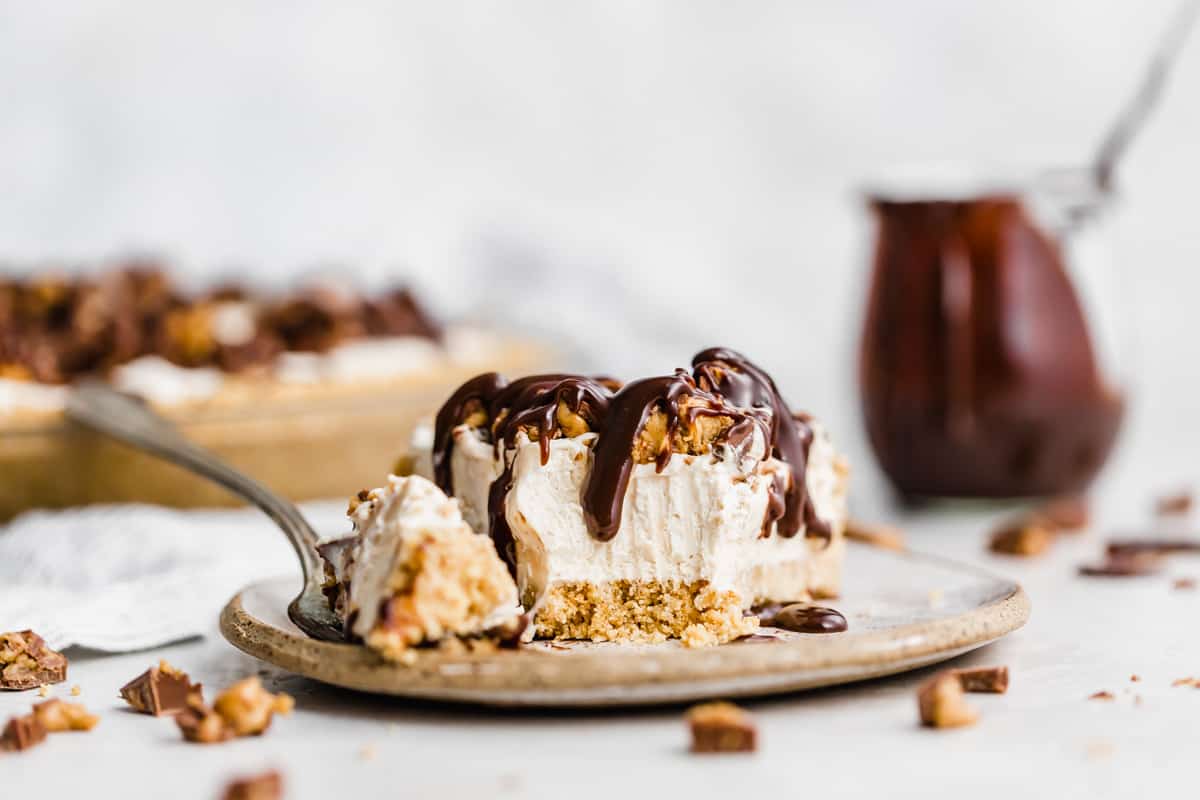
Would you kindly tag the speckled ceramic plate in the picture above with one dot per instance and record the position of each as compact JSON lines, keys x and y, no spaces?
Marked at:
{"x":905,"y":611}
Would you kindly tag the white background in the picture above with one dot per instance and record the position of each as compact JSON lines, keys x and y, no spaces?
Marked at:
{"x":646,"y":178}
{"x":651,"y":177}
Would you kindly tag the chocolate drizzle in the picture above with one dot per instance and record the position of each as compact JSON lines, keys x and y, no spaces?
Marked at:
{"x":723,"y":384}
{"x":533,"y":403}
{"x":473,"y":396}
{"x":790,"y":436}
{"x":682,"y":400}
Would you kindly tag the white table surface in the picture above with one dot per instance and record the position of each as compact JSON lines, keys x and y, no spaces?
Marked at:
{"x":1044,"y":734}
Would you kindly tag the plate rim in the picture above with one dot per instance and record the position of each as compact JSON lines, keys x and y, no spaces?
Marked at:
{"x":540,"y":677}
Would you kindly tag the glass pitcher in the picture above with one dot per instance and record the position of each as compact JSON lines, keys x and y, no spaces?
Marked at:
{"x":988,"y":362}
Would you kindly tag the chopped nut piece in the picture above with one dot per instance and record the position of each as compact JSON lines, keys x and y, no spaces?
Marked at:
{"x":570,"y":423}
{"x":76,"y":691}
{"x":1184,"y":584}
{"x":1065,"y":513}
{"x":1192,"y":682}
{"x":186,"y":337}
{"x":244,"y":709}
{"x":162,"y":689}
{"x":22,"y":733}
{"x":58,"y":715}
{"x":1135,"y":678}
{"x":1024,"y":537}
{"x":43,"y":691}
{"x":993,"y":680}
{"x":248,"y":708}
{"x":1102,"y":695}
{"x":694,"y":434}
{"x":15,"y":372}
{"x":888,"y":537}
{"x":1172,"y":504}
{"x":199,"y":723}
{"x":405,"y":465}
{"x":26,"y":662}
{"x":941,"y":703}
{"x":721,"y":728}
{"x":268,"y":786}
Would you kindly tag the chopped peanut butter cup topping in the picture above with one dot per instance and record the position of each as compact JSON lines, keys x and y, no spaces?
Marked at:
{"x":162,"y":689}
{"x":244,"y":709}
{"x":54,"y":329}
{"x":26,"y":662}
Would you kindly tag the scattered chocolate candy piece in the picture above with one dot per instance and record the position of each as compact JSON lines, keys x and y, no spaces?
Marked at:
{"x":721,"y":728}
{"x":1152,"y":547}
{"x":1102,"y":695}
{"x":992,"y":680}
{"x":27,"y":663}
{"x":1027,"y":536}
{"x":1185,"y":584}
{"x":1068,"y":513}
{"x":1124,"y":566}
{"x":57,"y":716}
{"x":942,"y":704}
{"x":162,"y":689}
{"x":888,"y":537}
{"x":22,"y":733}
{"x":267,"y":786}
{"x":1193,"y":683}
{"x":1174,"y":504}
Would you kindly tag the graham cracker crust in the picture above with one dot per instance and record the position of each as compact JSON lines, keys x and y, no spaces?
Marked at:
{"x":642,"y":611}
{"x":441,"y":585}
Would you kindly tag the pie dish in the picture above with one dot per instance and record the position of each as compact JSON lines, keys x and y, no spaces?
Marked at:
{"x":308,"y":391}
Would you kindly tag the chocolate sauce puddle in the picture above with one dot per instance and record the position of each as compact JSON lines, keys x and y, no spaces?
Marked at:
{"x":801,"y":618}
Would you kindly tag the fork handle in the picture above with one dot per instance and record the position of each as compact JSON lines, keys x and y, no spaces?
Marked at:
{"x":97,"y":406}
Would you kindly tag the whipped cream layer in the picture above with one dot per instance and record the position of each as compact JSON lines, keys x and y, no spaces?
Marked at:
{"x":159,"y":381}
{"x":379,"y":358}
{"x":30,"y":396}
{"x":700,"y":518}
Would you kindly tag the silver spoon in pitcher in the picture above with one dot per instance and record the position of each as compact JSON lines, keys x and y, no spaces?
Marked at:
{"x":1082,"y":191}
{"x":97,"y":406}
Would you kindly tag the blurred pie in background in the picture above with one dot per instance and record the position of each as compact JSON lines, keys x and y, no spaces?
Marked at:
{"x":310,"y":391}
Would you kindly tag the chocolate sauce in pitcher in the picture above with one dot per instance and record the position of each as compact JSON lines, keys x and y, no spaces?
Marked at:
{"x":977,"y":368}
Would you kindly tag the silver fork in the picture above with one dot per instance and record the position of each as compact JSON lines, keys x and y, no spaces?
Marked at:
{"x":97,"y":406}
